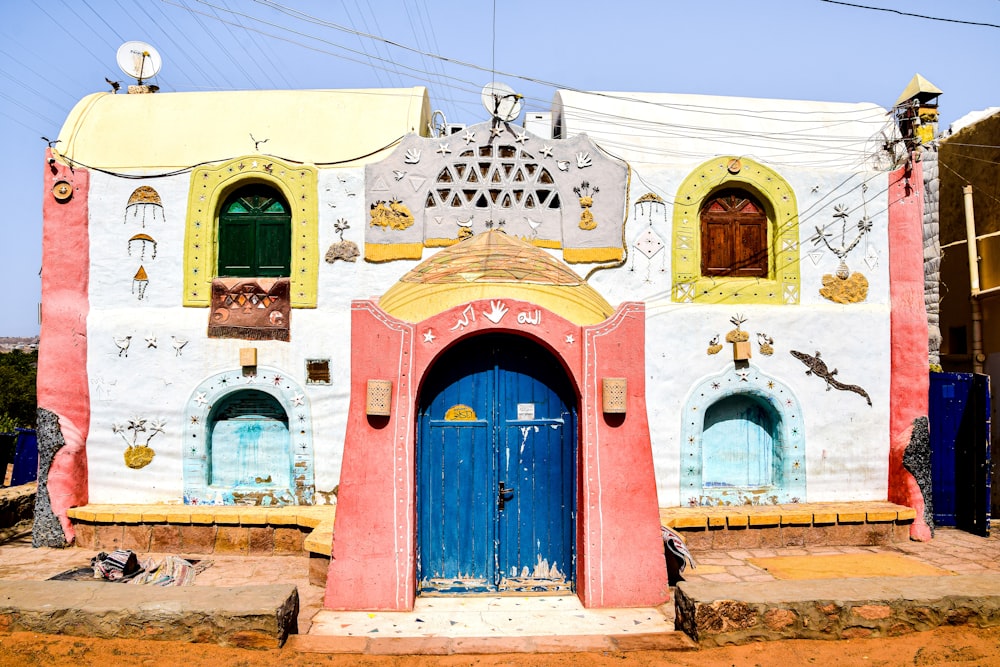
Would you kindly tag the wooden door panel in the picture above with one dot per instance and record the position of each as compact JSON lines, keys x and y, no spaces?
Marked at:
{"x":496,"y":409}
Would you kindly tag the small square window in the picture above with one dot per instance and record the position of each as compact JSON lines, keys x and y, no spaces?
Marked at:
{"x":317,"y":371}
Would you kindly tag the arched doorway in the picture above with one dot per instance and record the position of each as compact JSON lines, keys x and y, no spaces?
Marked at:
{"x":496,"y":470}
{"x":249,"y":443}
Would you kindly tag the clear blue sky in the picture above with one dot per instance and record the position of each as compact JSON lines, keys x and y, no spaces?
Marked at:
{"x":53,"y":52}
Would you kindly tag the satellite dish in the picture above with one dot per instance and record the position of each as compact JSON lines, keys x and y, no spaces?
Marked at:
{"x":139,"y":60}
{"x":501,"y":102}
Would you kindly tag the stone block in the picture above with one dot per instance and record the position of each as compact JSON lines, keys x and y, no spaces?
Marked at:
{"x":287,"y":540}
{"x":137,"y":537}
{"x":197,"y":538}
{"x":872,"y":612}
{"x":793,"y":536}
{"x":736,"y":538}
{"x":694,"y":521}
{"x":84,"y":535}
{"x":697,"y":540}
{"x":901,"y":532}
{"x":877,"y":534}
{"x":255,"y":617}
{"x":261,"y":540}
{"x":779,"y":619}
{"x":769,"y":537}
{"x":319,"y":567}
{"x":166,"y":538}
{"x":108,"y":536}
{"x":762,"y":519}
{"x":232,"y":540}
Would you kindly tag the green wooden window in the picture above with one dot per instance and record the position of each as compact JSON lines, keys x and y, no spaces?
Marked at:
{"x":255,"y":234}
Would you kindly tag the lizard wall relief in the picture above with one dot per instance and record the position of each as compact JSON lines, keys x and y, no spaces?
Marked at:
{"x":815,"y":366}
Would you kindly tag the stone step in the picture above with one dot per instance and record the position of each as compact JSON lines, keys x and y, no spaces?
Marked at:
{"x":492,"y":624}
{"x":257,"y":617}
{"x":717,"y":614}
{"x":438,"y":645}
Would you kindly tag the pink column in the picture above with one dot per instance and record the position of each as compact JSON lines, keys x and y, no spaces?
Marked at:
{"x":910,"y":362}
{"x":621,"y":562}
{"x":62,"y":359}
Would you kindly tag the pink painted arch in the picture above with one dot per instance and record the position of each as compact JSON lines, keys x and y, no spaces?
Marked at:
{"x":620,"y":559}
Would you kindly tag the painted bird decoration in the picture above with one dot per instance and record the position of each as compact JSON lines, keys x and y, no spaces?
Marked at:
{"x":178,"y":344}
{"x":123,"y":342}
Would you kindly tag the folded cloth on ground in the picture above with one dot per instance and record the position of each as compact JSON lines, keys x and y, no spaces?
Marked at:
{"x":675,"y":545}
{"x":173,"y":571}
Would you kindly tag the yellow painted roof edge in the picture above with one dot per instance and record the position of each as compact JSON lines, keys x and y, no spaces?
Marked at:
{"x":143,"y":133}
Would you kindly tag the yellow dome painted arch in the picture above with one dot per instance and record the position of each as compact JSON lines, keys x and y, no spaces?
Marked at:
{"x":494,"y":265}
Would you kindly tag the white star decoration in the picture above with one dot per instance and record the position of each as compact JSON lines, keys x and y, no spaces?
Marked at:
{"x":443,"y":149}
{"x":200,"y":399}
{"x":150,"y":340}
{"x":546,"y":151}
{"x":469,"y":137}
{"x":570,"y":339}
{"x":522,"y":138}
{"x":429,"y":336}
{"x":297,"y":399}
{"x":496,"y":131}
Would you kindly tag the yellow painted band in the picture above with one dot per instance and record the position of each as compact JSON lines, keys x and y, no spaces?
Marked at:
{"x":209,"y":188}
{"x":782,"y":283}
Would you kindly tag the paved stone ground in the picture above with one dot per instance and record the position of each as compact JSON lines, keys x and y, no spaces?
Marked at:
{"x":951,"y":549}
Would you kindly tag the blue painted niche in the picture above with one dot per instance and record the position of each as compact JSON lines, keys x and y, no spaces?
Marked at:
{"x":742,"y":441}
{"x":248,"y":441}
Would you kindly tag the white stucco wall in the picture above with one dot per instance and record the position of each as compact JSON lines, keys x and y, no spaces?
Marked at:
{"x":847,"y":441}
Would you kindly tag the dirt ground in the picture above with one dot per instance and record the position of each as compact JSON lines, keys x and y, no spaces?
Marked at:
{"x":963,"y":646}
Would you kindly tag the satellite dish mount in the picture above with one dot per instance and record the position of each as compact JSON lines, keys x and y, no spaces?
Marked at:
{"x":138,"y":60}
{"x":501,"y":102}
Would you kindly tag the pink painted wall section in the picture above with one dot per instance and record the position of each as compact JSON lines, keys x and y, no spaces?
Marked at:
{"x":620,"y":552}
{"x":372,"y":555}
{"x":62,"y":359}
{"x":620,"y":546}
{"x":910,"y":371}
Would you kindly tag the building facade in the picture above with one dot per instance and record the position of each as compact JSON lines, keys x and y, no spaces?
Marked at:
{"x":499,"y":350}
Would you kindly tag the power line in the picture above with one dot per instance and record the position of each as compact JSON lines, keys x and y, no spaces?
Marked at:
{"x":428,"y":77}
{"x":270,"y":60}
{"x":249,"y":56}
{"x":919,"y":16}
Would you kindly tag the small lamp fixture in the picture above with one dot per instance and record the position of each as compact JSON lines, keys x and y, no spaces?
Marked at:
{"x":613,"y":395}
{"x":378,"y":399}
{"x":248,"y":360}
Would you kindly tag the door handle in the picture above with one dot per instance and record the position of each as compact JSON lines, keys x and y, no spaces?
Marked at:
{"x":503,"y":495}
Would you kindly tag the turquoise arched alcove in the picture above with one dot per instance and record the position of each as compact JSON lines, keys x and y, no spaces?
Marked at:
{"x":742,"y":441}
{"x":268,"y":415}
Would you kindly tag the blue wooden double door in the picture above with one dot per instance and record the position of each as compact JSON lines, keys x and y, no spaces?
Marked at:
{"x":496,"y":457}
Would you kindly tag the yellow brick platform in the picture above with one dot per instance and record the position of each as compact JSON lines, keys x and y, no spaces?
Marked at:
{"x":206,"y":529}
{"x":868,"y":523}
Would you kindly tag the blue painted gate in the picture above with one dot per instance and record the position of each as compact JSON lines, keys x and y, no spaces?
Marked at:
{"x":961,"y":467}
{"x":496,"y":471}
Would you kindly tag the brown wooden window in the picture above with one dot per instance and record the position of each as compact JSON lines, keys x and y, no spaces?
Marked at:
{"x":733,"y":236}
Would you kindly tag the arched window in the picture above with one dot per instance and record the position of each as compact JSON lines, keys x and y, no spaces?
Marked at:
{"x":733,"y":235}
{"x":255,"y":234}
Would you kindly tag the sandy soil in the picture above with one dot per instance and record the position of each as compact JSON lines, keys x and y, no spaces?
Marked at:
{"x":963,"y":646}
